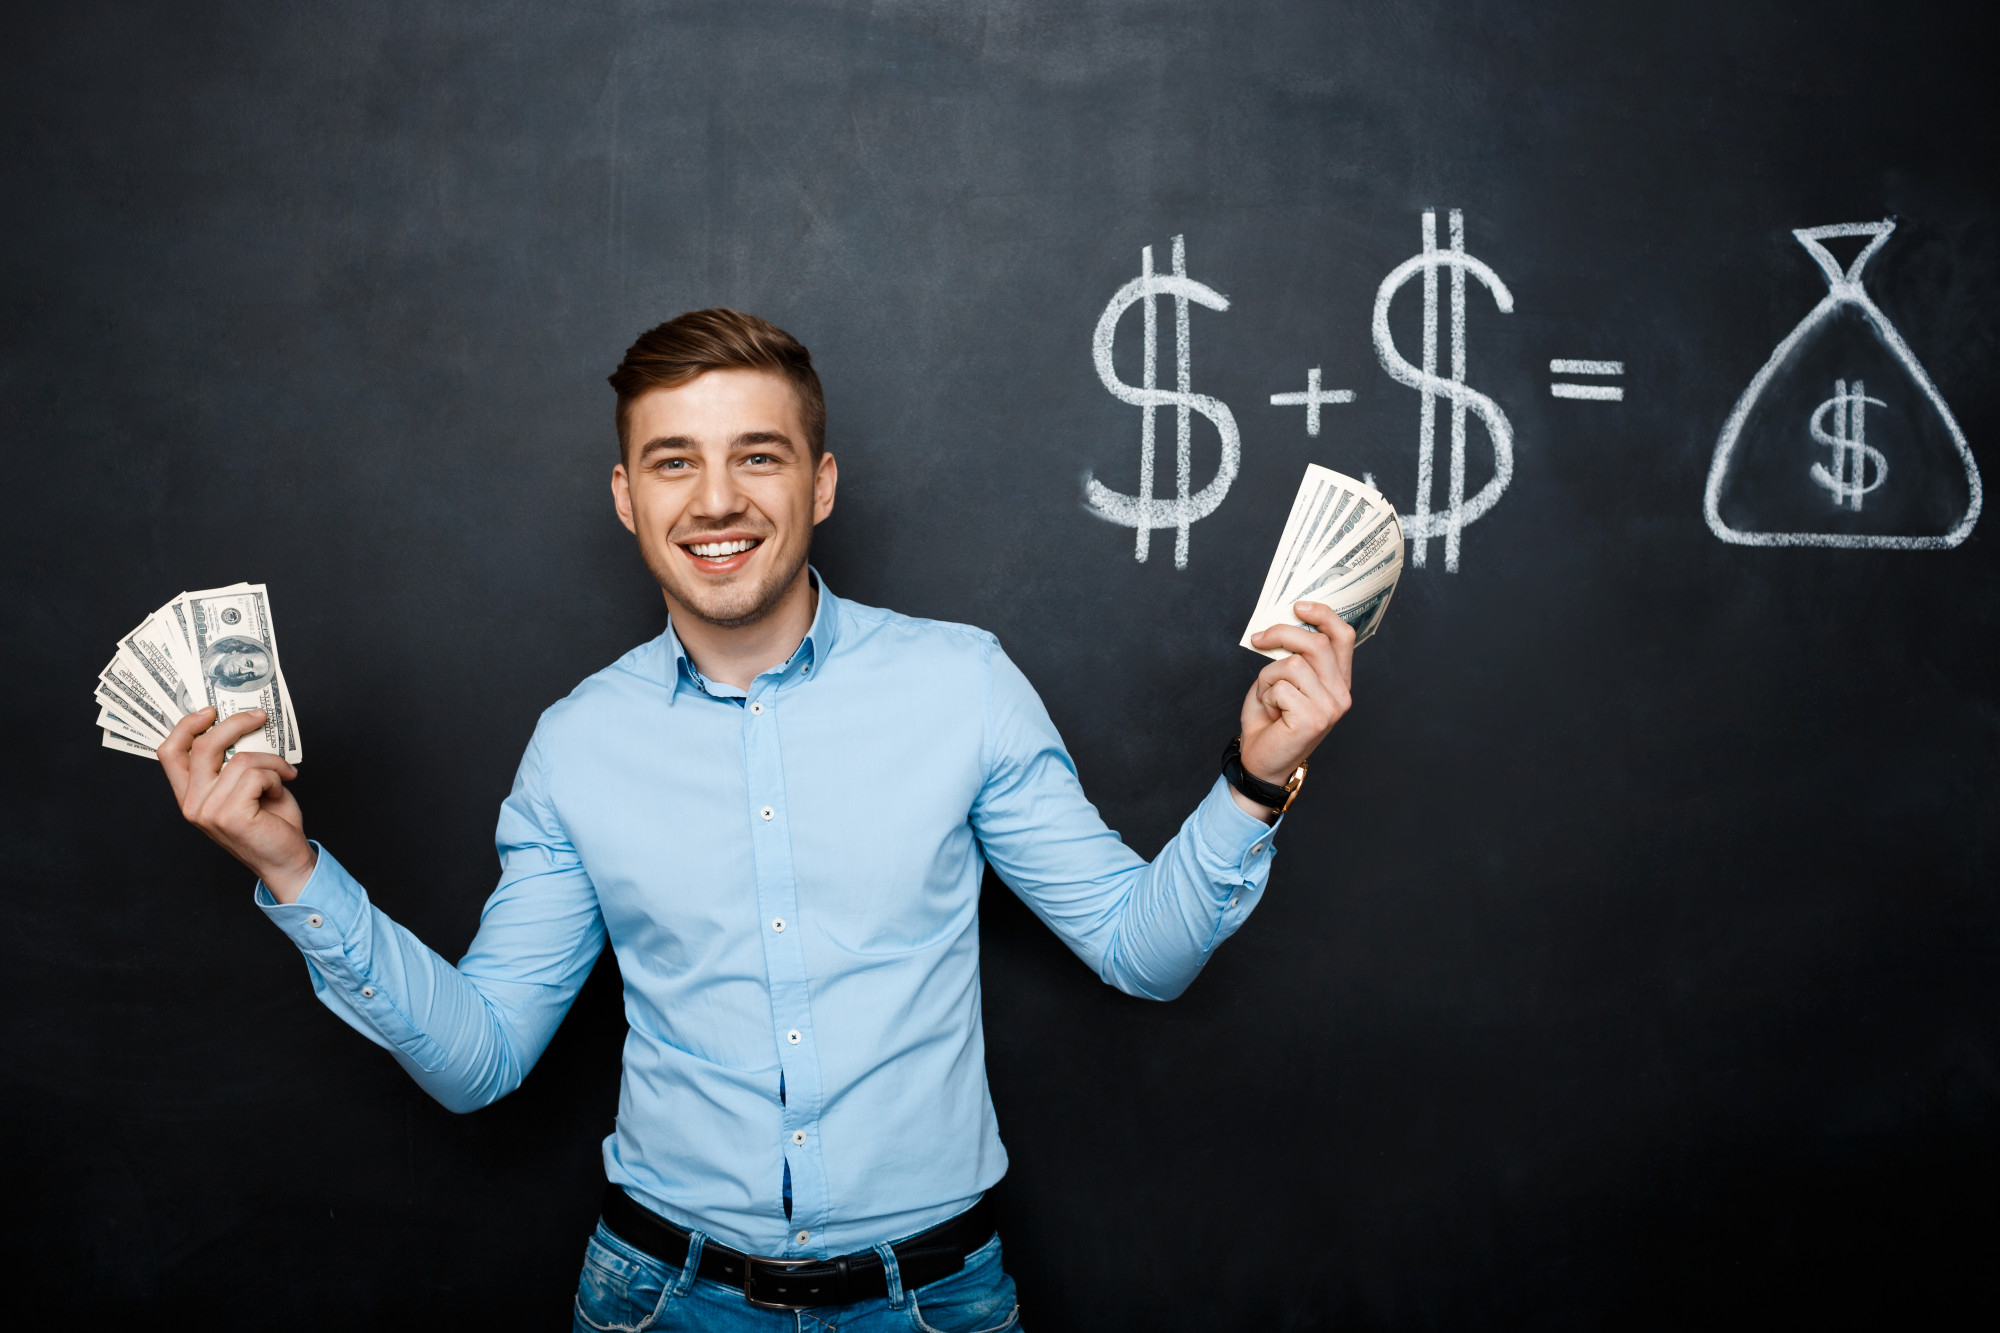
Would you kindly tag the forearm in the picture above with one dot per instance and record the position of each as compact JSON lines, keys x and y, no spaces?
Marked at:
{"x":460,"y":1037}
{"x":1191,"y":897}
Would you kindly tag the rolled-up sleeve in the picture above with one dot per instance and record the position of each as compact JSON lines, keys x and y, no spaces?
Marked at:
{"x":467,"y":1034}
{"x":1146,"y":928}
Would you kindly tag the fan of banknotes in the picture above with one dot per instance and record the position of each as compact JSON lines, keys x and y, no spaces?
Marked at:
{"x":1343,"y":547}
{"x":203,"y":649}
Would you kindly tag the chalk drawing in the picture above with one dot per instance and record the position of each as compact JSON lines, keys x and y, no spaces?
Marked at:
{"x":1145,"y":511}
{"x":1311,"y":399}
{"x":1846,"y":481}
{"x":1422,"y":523}
{"x":1599,"y":393}
{"x":1853,"y":457}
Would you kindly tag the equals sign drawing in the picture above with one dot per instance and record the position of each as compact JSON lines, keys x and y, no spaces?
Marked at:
{"x":1602,"y":393}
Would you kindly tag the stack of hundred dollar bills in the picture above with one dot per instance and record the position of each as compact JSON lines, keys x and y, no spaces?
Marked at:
{"x":1342,"y":547}
{"x":213,"y":649}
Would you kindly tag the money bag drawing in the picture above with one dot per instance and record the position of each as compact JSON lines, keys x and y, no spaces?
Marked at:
{"x":1842,"y":439}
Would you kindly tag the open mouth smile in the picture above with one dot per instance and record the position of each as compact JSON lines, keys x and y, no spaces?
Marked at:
{"x":722,"y":556}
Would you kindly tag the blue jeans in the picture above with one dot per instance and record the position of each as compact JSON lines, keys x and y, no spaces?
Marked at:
{"x":624,"y":1290}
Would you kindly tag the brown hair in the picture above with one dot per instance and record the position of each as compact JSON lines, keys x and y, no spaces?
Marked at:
{"x":690,"y":345}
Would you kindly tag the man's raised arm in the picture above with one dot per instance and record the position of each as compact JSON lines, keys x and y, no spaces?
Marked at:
{"x":468,"y":1035}
{"x":1149,"y":928}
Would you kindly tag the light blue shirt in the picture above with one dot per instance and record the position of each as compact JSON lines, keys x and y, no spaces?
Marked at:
{"x":790,"y":879}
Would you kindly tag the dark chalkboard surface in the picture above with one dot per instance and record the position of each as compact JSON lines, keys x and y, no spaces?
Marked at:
{"x":1630,"y":960}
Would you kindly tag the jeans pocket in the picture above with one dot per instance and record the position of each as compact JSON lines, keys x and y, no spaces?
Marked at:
{"x":978,"y":1298}
{"x":621,"y":1290}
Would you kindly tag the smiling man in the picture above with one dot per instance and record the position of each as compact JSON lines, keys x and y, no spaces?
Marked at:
{"x":777,"y":813}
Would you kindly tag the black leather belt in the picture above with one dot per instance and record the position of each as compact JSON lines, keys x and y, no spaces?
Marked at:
{"x":801,"y":1284}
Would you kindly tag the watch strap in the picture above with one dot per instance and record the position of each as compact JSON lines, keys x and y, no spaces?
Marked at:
{"x":1268,"y":794}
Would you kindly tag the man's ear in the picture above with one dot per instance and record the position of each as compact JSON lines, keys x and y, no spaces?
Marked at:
{"x":825,"y":478}
{"x":621,"y":497}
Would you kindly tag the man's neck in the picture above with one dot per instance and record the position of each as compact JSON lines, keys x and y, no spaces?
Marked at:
{"x":738,"y":654}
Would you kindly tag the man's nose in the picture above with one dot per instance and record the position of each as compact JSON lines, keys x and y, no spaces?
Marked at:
{"x":717,"y":495}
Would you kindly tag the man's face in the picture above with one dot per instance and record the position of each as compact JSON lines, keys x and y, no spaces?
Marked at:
{"x":719,"y":486}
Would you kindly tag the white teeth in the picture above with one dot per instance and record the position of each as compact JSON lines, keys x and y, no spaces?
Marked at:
{"x":718,"y":550}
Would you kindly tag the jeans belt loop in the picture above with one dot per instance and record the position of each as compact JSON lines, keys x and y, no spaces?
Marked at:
{"x":892,"y":1272}
{"x":692,"y":1264}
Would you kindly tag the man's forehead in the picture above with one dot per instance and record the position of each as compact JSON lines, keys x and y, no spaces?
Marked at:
{"x":718,"y":406}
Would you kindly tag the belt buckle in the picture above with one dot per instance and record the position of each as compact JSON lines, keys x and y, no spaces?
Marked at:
{"x":750,"y":1281}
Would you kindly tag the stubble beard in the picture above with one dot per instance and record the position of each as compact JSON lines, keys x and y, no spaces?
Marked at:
{"x":730,"y":607}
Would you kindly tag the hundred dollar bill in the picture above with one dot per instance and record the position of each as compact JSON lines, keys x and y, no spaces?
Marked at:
{"x":152,"y":649}
{"x":113,"y":741}
{"x":130,"y":720}
{"x":127,"y":687}
{"x":1342,"y":546}
{"x":235,"y":656}
{"x":109,"y":719}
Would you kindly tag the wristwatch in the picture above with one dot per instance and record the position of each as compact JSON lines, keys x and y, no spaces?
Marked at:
{"x":1263,"y":793}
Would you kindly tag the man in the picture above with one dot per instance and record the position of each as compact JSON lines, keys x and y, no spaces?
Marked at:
{"x":778,"y":813}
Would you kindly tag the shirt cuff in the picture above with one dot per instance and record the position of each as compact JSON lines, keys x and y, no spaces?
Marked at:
{"x":325,"y":910}
{"x":1236,"y":839}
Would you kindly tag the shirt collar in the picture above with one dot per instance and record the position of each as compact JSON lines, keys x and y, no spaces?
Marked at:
{"x":812,"y":650}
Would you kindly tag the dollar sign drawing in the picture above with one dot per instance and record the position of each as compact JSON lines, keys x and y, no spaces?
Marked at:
{"x":1853,"y":456}
{"x":1421,"y":524}
{"x":1144,"y":511}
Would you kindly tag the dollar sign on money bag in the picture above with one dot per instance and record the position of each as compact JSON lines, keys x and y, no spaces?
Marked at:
{"x":1421,"y":521}
{"x":1858,"y":467}
{"x":1145,"y":511}
{"x":1841,"y":439}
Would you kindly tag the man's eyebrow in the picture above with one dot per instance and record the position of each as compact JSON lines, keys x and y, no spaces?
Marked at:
{"x":750,"y":437}
{"x":665,"y":443}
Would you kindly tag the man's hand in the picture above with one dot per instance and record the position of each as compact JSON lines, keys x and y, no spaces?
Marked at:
{"x":1296,"y":700}
{"x":242,"y":802}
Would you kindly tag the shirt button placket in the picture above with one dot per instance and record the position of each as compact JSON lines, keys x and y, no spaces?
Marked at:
{"x":791,"y":1013}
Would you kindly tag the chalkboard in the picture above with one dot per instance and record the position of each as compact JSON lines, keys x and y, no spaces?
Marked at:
{"x":1629,"y":959}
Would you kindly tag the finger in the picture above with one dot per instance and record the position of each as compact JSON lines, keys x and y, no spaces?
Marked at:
{"x":1308,"y":704}
{"x":233,"y":801}
{"x":1339,"y":634}
{"x":173,"y":751}
{"x":1313,"y":646}
{"x":205,"y":756}
{"x":1291,"y":704}
{"x":1299,"y":672}
{"x":244,"y":760}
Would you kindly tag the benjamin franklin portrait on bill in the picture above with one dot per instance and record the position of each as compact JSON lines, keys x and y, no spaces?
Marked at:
{"x":237,"y":664}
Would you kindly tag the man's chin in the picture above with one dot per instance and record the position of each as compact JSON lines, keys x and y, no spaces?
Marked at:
{"x":728,"y":614}
{"x":729,"y":607}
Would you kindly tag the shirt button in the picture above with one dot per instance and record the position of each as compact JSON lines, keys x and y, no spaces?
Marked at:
{"x":793,"y":1037}
{"x":1232,"y":900}
{"x":778,"y":924}
{"x":803,"y":1237}
{"x":314,"y":921}
{"x":757,"y":709}
{"x":1256,"y":847}
{"x":767,"y":813}
{"x":367,"y":992}
{"x":799,"y":1136}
